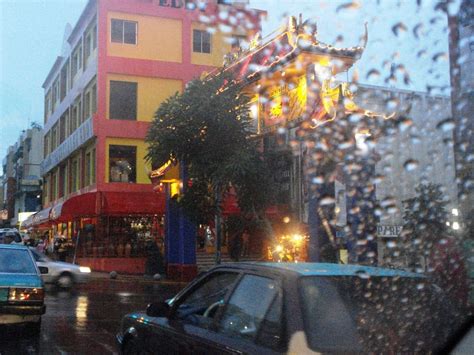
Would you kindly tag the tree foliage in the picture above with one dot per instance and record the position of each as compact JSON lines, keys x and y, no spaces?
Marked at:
{"x":208,"y":129}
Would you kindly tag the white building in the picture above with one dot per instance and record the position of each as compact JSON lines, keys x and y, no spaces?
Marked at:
{"x":421,"y":151}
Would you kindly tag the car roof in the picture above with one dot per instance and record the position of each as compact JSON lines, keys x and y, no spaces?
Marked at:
{"x":326,"y":269}
{"x":13,"y":246}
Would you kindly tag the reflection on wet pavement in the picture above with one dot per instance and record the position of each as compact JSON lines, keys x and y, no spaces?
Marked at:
{"x":84,"y":320}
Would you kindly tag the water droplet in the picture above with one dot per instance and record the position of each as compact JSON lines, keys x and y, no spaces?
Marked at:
{"x":417,"y":30}
{"x":391,"y":244}
{"x":353,"y":5}
{"x":327,"y":200}
{"x":410,"y":164}
{"x":446,"y":125}
{"x":404,"y":124}
{"x":373,"y":74}
{"x":440,"y":56}
{"x":362,"y":274}
{"x":399,"y":28}
{"x":318,"y":180}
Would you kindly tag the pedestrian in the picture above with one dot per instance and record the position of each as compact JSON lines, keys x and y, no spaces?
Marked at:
{"x":245,"y":242}
{"x":235,"y":246}
{"x":41,"y":246}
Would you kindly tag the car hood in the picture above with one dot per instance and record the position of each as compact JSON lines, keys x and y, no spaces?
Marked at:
{"x":26,"y":280}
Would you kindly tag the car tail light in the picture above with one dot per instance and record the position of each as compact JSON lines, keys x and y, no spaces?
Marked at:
{"x":26,"y":294}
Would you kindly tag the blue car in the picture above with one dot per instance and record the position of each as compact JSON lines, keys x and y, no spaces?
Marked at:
{"x":21,"y":287}
{"x":274,"y":308}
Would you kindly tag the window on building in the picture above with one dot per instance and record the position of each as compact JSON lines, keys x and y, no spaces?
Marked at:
{"x":201,"y":41}
{"x":93,"y":167}
{"x":123,"y":100}
{"x":47,"y":106}
{"x":63,"y":127}
{"x":90,"y":41}
{"x":62,"y":181}
{"x":76,"y":61}
{"x":54,"y":186}
{"x":90,"y":99}
{"x":54,"y":136}
{"x":64,"y":81}
{"x":55,"y":93}
{"x":90,"y":168}
{"x":45,"y":191}
{"x":75,"y":120}
{"x":124,"y":31}
{"x":122,"y":163}
{"x":75,"y":174}
{"x":46,"y":145}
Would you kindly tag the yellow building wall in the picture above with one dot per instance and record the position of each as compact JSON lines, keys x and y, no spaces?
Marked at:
{"x":157,"y":38}
{"x":151,"y":92}
{"x":220,"y":46}
{"x":142,"y":166}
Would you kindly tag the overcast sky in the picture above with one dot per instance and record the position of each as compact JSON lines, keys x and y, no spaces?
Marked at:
{"x":31,"y":37}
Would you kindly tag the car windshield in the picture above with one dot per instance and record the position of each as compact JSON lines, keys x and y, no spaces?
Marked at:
{"x":14,"y":261}
{"x":164,"y":137}
{"x":376,"y":314}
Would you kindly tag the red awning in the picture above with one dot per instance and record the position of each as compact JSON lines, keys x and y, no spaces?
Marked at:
{"x":41,"y":217}
{"x":133,"y":203}
{"x":108,"y":203}
{"x":79,"y":206}
{"x":27,"y":223}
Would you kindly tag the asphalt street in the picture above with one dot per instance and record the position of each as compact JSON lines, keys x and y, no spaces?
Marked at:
{"x":86,"y":319}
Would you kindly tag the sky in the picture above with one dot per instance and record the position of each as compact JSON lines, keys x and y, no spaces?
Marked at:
{"x":31,"y":37}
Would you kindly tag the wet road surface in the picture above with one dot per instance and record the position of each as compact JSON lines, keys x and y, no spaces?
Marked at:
{"x":85,"y":320}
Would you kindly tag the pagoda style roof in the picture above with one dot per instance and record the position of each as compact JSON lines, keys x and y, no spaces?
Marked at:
{"x":296,"y":41}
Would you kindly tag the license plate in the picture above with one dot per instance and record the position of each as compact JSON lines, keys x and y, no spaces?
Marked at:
{"x":3,"y":294}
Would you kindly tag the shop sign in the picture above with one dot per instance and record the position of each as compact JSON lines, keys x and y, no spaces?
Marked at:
{"x":176,"y":4}
{"x":74,"y":141}
{"x":30,"y":182}
{"x":284,"y":103}
{"x":388,"y":231}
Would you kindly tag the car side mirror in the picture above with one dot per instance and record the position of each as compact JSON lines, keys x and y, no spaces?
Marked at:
{"x":43,"y":270}
{"x":160,"y":309}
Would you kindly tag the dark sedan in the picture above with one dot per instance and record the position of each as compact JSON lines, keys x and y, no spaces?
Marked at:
{"x":260,"y":308}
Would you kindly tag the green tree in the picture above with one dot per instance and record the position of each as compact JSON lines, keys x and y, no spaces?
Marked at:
{"x":208,"y":129}
{"x":425,"y":219}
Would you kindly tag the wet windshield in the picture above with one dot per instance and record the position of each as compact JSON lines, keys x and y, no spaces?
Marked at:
{"x":158,"y":138}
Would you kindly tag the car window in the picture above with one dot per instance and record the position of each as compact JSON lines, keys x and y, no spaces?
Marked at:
{"x":272,"y":328}
{"x":38,"y":256}
{"x":206,"y":297}
{"x":326,"y":317}
{"x":243,"y":314}
{"x":16,"y":262}
{"x":379,"y":314}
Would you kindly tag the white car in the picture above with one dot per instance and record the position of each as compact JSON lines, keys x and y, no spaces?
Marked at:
{"x":12,"y":234}
{"x":64,"y":275}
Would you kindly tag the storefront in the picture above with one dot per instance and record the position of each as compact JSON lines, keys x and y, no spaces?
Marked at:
{"x":105,"y":231}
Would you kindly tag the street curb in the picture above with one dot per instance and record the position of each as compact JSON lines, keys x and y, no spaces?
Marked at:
{"x":133,"y":278}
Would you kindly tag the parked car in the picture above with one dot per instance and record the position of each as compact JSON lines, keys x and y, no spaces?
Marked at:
{"x":10,"y":236}
{"x":21,"y":287}
{"x":265,"y":308}
{"x":63,"y":274}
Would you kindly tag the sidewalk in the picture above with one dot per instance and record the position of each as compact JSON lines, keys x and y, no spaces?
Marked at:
{"x":97,"y":275}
